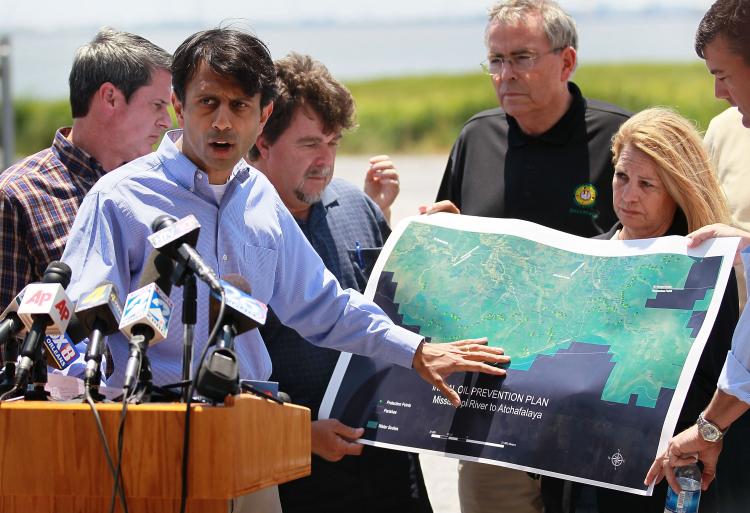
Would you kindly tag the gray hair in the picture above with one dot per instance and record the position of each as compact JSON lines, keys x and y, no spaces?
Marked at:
{"x":125,"y":60}
{"x":559,"y":26}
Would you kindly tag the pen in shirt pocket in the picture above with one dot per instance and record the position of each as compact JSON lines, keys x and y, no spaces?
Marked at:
{"x":358,"y":252}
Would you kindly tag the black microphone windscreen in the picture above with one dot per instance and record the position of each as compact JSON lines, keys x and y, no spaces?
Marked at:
{"x":243,"y":311}
{"x":162,"y":222}
{"x":58,"y":272}
{"x":214,"y":303}
{"x":158,"y":269}
{"x":238,"y":281}
{"x":75,"y":330}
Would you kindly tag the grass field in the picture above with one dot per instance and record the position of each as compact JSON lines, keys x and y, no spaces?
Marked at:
{"x":424,"y":114}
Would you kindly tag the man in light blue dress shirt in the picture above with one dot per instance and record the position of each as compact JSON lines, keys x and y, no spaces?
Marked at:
{"x":224,"y":86}
{"x":723,"y":40}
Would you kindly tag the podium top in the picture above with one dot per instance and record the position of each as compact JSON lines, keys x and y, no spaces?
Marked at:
{"x":245,"y":445}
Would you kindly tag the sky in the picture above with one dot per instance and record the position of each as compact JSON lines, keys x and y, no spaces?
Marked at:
{"x":54,"y":15}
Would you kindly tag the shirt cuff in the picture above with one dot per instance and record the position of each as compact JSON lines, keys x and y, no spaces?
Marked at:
{"x":735,"y":379}
{"x":745,"y":257}
{"x":403,"y":344}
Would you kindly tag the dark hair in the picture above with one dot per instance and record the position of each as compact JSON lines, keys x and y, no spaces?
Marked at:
{"x":306,"y":83}
{"x":126,"y":60}
{"x":229,"y":53}
{"x":729,"y":19}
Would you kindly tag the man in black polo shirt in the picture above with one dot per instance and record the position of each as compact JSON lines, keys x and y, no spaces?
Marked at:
{"x":545,"y":157}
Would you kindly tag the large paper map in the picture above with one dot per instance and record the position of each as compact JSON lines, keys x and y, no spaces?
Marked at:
{"x":604,"y":338}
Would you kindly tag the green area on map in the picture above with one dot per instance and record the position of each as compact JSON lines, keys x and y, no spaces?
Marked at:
{"x":532,"y":299}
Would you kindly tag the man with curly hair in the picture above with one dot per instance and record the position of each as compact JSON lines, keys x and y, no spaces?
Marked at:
{"x":297,"y":151}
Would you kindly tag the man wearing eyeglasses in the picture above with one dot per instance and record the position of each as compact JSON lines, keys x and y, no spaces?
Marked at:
{"x":543,"y":156}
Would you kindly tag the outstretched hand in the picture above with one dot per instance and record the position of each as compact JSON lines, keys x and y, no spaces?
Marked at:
{"x":435,"y":362}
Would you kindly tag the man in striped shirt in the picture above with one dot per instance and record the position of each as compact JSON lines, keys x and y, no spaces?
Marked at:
{"x":120,"y":87}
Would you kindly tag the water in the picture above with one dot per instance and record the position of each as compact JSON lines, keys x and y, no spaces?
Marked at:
{"x":355,"y":51}
{"x":688,"y":499}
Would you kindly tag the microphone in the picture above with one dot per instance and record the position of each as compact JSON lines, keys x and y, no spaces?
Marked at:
{"x":219,"y":375}
{"x":99,"y":313}
{"x":158,"y":269}
{"x":44,"y":308}
{"x":61,"y":349}
{"x":242,"y":311}
{"x":11,"y":327}
{"x":11,"y":324}
{"x":145,"y":318}
{"x":177,"y":239}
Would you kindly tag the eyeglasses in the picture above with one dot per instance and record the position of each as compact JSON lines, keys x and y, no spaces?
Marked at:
{"x":521,"y":62}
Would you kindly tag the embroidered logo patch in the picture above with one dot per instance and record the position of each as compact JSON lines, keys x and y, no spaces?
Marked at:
{"x":585,"y":195}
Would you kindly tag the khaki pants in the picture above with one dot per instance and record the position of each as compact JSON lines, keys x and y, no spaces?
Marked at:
{"x":488,"y":488}
{"x":262,"y":501}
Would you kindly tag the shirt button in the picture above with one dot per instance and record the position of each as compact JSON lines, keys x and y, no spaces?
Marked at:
{"x":225,"y":258}
{"x":199,"y":175}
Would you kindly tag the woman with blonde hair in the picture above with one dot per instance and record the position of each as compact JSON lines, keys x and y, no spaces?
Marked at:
{"x":664,"y":184}
{"x":664,"y":180}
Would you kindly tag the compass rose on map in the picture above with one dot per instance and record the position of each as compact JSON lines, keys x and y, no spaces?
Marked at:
{"x":616,"y":459}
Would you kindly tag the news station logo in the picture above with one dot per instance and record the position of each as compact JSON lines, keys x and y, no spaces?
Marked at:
{"x":62,"y":350}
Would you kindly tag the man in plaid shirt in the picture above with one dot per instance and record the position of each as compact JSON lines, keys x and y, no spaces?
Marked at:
{"x":120,"y":87}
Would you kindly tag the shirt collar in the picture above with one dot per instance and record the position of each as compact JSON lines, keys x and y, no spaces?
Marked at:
{"x":319,"y":209}
{"x":78,"y":162}
{"x":183,"y":170}
{"x":329,"y":196}
{"x":561,"y":132}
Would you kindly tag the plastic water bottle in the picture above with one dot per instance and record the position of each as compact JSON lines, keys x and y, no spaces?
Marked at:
{"x":687,"y":500}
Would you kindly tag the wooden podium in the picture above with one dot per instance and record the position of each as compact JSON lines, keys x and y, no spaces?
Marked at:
{"x":52,"y":459}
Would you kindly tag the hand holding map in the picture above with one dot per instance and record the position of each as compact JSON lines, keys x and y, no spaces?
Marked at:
{"x":720,"y":230}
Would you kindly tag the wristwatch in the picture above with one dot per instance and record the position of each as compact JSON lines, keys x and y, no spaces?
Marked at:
{"x":709,"y":431}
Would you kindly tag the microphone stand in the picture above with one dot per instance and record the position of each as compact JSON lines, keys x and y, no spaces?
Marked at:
{"x":225,"y":339}
{"x":10,"y":354}
{"x":189,"y":318}
{"x":219,"y":373}
{"x":96,"y":350}
{"x":140,"y":390}
{"x":145,"y":390}
{"x":145,"y":384}
{"x":38,"y":378}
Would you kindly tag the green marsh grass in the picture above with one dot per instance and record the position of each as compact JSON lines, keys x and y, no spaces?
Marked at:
{"x":424,"y":114}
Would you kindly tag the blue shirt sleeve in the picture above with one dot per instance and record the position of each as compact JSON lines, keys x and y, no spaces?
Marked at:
{"x":735,"y":376}
{"x":101,"y":242}
{"x":308,"y":298}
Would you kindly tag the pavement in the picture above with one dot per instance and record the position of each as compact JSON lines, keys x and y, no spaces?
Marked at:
{"x":419,"y":177}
